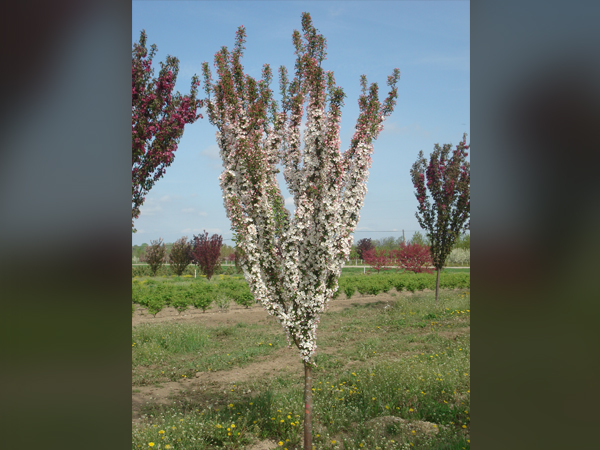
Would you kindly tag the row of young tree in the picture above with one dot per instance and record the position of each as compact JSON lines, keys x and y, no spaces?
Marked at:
{"x":291,"y":264}
{"x":390,"y":243}
{"x":201,"y":250}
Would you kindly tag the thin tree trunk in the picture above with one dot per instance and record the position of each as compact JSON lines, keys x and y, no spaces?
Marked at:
{"x":437,"y":285}
{"x":308,"y":406}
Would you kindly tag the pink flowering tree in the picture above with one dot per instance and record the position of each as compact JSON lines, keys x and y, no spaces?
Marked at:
{"x":157,"y":119}
{"x":377,"y":258}
{"x":413,"y":257}
{"x":292,"y":263}
{"x":443,"y":190}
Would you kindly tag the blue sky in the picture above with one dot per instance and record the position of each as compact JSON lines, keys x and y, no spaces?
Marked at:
{"x":428,"y":41}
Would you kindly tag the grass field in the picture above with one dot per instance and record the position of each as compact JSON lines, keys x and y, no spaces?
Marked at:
{"x":392,"y":373}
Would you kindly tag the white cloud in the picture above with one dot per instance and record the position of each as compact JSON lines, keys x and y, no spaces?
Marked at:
{"x":290,"y":202}
{"x":150,"y":208}
{"x":212,"y":152}
{"x":188,"y":210}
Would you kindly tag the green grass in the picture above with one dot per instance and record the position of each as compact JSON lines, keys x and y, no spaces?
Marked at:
{"x":171,"y":351}
{"x":384,"y":370}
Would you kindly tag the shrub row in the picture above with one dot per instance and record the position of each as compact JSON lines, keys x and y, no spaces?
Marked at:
{"x":165,"y":271}
{"x":374,"y":284}
{"x":198,"y":293}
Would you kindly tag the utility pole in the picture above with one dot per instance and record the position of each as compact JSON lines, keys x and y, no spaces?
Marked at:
{"x":403,"y":241}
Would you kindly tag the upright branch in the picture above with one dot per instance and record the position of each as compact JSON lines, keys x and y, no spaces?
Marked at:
{"x":443,"y":191}
{"x":158,"y":116}
{"x":292,"y":263}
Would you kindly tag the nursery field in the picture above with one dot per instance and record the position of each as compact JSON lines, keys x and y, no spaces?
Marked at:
{"x":392,"y":368}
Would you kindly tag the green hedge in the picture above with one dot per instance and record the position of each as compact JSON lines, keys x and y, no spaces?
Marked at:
{"x":182,"y":293}
{"x":375,"y":284}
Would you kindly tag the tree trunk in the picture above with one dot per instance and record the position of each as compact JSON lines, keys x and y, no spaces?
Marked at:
{"x":308,"y":406}
{"x":437,"y":285}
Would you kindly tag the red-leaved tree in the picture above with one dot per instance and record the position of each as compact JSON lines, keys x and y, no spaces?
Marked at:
{"x":414,"y":258}
{"x":444,"y":199}
{"x":207,"y":253}
{"x":362,"y":246}
{"x":181,"y":255}
{"x":377,"y":258}
{"x":157,"y":119}
{"x":155,"y":255}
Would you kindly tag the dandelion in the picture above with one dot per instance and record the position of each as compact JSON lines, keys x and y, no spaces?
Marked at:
{"x":161,"y":432}
{"x":280,"y":443}
{"x":464,"y":426}
{"x":150,"y":444}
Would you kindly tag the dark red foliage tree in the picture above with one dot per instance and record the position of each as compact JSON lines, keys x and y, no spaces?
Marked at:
{"x":207,"y":253}
{"x":443,"y":190}
{"x":377,"y":258}
{"x":155,"y":255}
{"x":181,"y":255}
{"x":362,"y":246}
{"x":157,"y":119}
{"x":414,"y":258}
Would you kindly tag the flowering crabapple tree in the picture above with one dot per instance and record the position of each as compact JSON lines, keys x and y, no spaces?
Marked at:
{"x":377,"y":258}
{"x":443,"y":190}
{"x":158,"y":117}
{"x":292,"y":263}
{"x":414,"y":257}
{"x":206,"y":253}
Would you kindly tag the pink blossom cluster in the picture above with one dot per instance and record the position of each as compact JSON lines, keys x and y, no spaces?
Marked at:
{"x":157,"y":120}
{"x":292,"y":263}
